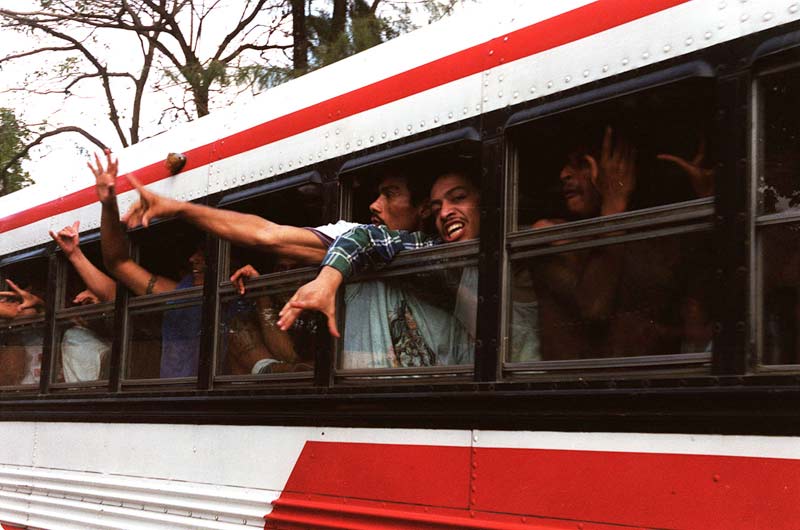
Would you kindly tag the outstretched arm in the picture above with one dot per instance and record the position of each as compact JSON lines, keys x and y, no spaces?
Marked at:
{"x":239,"y":228}
{"x":113,"y":239}
{"x":68,"y":239}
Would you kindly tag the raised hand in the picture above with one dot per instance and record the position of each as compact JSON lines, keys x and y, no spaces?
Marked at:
{"x":68,"y":238}
{"x":317,"y":295}
{"x":614,"y":175}
{"x":701,"y":178}
{"x":238,"y":277}
{"x":105,"y":178}
{"x":28,"y":299}
{"x":149,"y":206}
{"x":85,"y":297}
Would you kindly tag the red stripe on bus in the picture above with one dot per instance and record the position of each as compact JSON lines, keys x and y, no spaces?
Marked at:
{"x":355,"y":483}
{"x":562,"y":29}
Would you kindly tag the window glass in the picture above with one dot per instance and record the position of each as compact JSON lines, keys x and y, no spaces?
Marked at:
{"x":416,"y":320}
{"x":252,"y":343}
{"x":634,"y":152}
{"x":639,"y":298}
{"x":83,"y":348}
{"x":164,"y":340}
{"x":781,"y":294}
{"x":22,"y":330}
{"x":21,"y":354}
{"x":779,"y":178}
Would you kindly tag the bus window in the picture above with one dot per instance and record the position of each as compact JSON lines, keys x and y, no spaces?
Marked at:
{"x":84,"y":319}
{"x":780,"y":142}
{"x":634,"y":152}
{"x":638,"y":298}
{"x":419,"y":319}
{"x":779,"y":192}
{"x":250,"y":342}
{"x":598,"y":289}
{"x":164,"y":331}
{"x":22,"y":332}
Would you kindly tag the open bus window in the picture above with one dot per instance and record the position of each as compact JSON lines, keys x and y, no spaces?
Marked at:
{"x":75,"y":291}
{"x":299,"y":206}
{"x":635,"y":299}
{"x":647,"y":149}
{"x":779,"y":178}
{"x":252,"y":344}
{"x":22,"y":332}
{"x":415,"y":320}
{"x":781,"y":294}
{"x":423,"y":319}
{"x":164,"y":335}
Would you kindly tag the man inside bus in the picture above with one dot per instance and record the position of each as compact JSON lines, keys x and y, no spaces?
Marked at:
{"x":610,"y":300}
{"x":455,"y":206}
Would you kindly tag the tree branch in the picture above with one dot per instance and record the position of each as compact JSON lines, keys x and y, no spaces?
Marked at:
{"x":42,"y":137}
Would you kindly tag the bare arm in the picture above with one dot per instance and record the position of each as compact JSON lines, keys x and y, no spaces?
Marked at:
{"x":68,"y":239}
{"x":8,"y":310}
{"x":114,"y":240}
{"x":239,"y":228}
{"x":280,"y":344}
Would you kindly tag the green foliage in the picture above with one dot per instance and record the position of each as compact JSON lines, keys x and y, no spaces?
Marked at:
{"x":12,"y":137}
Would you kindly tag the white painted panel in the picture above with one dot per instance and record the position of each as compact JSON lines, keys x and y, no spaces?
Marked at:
{"x":17,"y":442}
{"x":691,"y":444}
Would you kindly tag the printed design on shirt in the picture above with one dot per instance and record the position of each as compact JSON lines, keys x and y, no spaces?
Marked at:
{"x":410,"y":348}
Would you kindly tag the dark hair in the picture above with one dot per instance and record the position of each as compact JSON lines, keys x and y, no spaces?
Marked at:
{"x":418,"y":183}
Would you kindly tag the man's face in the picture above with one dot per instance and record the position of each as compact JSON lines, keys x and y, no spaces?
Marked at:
{"x":394,"y":208}
{"x":580,"y":194}
{"x":198,"y":264}
{"x":455,"y":205}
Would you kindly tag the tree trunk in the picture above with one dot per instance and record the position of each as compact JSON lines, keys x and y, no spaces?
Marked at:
{"x":339,"y":18}
{"x":299,"y":36}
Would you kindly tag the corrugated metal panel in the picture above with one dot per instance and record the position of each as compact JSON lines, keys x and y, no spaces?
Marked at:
{"x":69,"y":499}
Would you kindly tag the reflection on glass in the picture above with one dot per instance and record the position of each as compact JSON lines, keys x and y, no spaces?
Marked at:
{"x":164,"y":343}
{"x":83,"y":352}
{"x":21,"y":355}
{"x":781,"y":294}
{"x":780,"y":141}
{"x":252,"y":343}
{"x":639,"y":298}
{"x":423,"y":319}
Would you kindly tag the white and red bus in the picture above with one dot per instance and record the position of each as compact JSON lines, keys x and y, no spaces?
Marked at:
{"x":672,"y":404}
